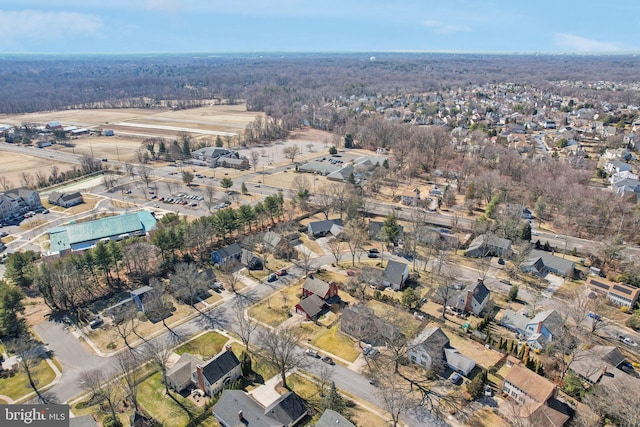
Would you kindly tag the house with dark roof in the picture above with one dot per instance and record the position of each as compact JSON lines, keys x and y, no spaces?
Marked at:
{"x":65,"y":199}
{"x":395,"y":275}
{"x":331,"y":418}
{"x":489,"y":245}
{"x":271,"y":240}
{"x":432,"y":351}
{"x":179,"y":376}
{"x":311,"y":307}
{"x":541,"y":263}
{"x":217,"y":373}
{"x":230,"y":161}
{"x":227,"y":254}
{"x":376,"y":226}
{"x":209,"y":153}
{"x":472,"y":299}
{"x":617,"y":293}
{"x":322,"y":228}
{"x":237,"y":408}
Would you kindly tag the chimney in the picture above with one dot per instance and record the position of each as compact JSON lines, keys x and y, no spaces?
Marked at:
{"x":240,"y":416}
{"x":200,"y":377}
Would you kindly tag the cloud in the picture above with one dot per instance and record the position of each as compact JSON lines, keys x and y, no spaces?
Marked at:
{"x":442,"y":28}
{"x":38,"y":25}
{"x":574,"y":43}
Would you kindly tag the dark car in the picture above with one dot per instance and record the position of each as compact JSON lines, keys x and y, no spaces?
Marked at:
{"x":456,"y":379}
{"x":95,"y":323}
{"x":272,"y":277}
{"x":328,"y":360}
{"x":373,"y":255}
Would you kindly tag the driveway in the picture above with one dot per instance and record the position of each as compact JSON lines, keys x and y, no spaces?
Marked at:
{"x":554,"y":283}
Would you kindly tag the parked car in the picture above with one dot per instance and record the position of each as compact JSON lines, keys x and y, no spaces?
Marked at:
{"x":373,"y":352}
{"x":4,"y":234}
{"x":95,"y":323}
{"x":328,"y":360}
{"x":487,"y":390}
{"x":272,"y":277}
{"x":456,"y":379}
{"x":373,"y":381}
{"x":594,"y":316}
{"x":367,"y":348}
{"x":373,"y":255}
{"x":312,"y":353}
{"x":282,"y":272}
{"x":217,"y":286}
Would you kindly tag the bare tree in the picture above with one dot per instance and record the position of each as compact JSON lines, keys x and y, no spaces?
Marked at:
{"x":159,"y":352}
{"x":324,"y":201}
{"x":209,"y":197}
{"x":245,"y":325}
{"x":231,"y":275}
{"x":127,"y":364}
{"x":130,"y":169}
{"x":444,"y":294}
{"x":187,"y":282}
{"x":291,"y":152}
{"x":104,"y":388}
{"x":306,"y":260}
{"x":29,"y":354}
{"x":395,"y":396}
{"x":281,"y":347}
{"x":255,"y":158}
{"x":336,"y":246}
{"x":325,"y":377}
{"x":124,"y":322}
{"x":146,"y":174}
{"x":355,"y":235}
{"x":5,"y":184}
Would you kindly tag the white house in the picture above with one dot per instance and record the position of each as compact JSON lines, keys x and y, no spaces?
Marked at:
{"x":217,"y":373}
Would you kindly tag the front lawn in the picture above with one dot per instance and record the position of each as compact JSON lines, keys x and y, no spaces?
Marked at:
{"x":206,"y":345}
{"x":335,"y":342}
{"x":274,"y":309}
{"x":18,"y":386}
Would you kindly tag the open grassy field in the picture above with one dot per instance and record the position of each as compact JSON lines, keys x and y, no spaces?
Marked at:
{"x":14,"y":164}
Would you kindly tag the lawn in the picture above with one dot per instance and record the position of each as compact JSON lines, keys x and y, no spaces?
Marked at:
{"x":486,"y":418}
{"x":274,"y":309}
{"x":407,"y":322}
{"x":206,"y":345}
{"x":163,"y":408}
{"x":335,"y":342}
{"x":18,"y":386}
{"x":483,"y":356}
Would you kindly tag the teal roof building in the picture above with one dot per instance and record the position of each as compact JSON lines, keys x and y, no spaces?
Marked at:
{"x":85,"y":235}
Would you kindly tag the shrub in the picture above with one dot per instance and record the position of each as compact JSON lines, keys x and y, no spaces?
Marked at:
{"x":109,"y":421}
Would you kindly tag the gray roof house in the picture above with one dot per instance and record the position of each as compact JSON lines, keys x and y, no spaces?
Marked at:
{"x":227,"y":254}
{"x":322,"y":228}
{"x":541,"y":263}
{"x":237,"y":408}
{"x":472,"y":298}
{"x":591,"y":364}
{"x":179,"y":376}
{"x":432,"y":351}
{"x":65,"y":199}
{"x":217,"y":373}
{"x":538,"y":331}
{"x":489,"y":245}
{"x":271,"y":240}
{"x":395,"y":275}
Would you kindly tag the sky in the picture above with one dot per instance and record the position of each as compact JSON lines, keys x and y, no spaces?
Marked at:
{"x":146,"y":26}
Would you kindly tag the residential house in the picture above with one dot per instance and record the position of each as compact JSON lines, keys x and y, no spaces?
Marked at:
{"x":311,"y":307}
{"x":617,"y":293}
{"x":272,"y":240}
{"x":361,"y":323}
{"x":237,"y":408}
{"x":251,"y":260}
{"x":616,"y":166}
{"x":376,"y":226}
{"x":331,"y":418}
{"x":410,"y":198}
{"x":472,"y":299}
{"x":592,"y":363}
{"x":322,"y":228}
{"x":217,"y":373}
{"x":538,"y":331}
{"x":179,"y":376}
{"x":535,"y":398}
{"x":541,"y":263}
{"x":326,"y":291}
{"x":230,"y":161}
{"x":489,"y":245}
{"x":316,"y":295}
{"x":227,"y":254}
{"x":395,"y":275}
{"x":65,"y":200}
{"x":432,"y":351}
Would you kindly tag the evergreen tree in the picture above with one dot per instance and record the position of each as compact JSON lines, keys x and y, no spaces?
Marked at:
{"x":333,"y":400}
{"x":245,"y":363}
